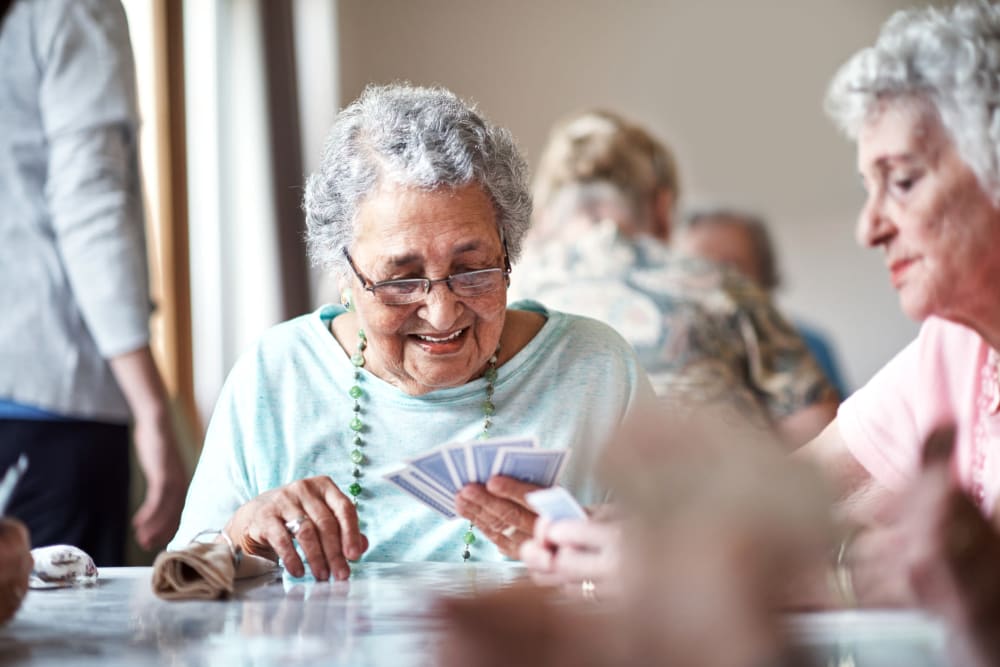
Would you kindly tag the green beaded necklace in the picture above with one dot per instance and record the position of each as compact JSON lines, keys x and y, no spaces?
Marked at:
{"x":357,"y":426}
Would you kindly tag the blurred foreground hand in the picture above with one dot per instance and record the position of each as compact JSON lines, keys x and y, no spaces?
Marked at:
{"x":713,"y":522}
{"x":15,"y":566}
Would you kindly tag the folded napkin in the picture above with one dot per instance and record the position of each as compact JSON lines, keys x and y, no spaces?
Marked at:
{"x":204,"y":571}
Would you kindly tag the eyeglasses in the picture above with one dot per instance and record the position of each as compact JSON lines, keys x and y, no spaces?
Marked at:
{"x":410,"y":290}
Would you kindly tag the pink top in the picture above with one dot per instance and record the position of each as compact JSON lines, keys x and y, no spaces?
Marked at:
{"x":948,"y":374}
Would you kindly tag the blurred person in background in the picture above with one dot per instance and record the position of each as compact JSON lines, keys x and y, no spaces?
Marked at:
{"x":605,"y":194}
{"x":75,"y":361}
{"x":741,"y":240}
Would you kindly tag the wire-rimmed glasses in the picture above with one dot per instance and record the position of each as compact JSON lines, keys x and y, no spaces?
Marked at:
{"x":404,"y":291}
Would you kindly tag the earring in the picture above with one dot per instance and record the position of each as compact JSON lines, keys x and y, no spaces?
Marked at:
{"x":345,"y":299}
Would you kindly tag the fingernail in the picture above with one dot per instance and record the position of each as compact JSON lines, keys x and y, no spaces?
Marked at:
{"x":343,"y":574}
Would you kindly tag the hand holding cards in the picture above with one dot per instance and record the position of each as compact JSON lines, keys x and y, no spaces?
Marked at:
{"x":435,"y":478}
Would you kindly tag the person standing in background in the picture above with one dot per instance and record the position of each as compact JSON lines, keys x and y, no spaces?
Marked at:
{"x":741,"y":240}
{"x":75,"y":361}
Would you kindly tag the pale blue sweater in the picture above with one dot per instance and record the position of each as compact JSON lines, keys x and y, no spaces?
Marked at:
{"x":284,"y":411}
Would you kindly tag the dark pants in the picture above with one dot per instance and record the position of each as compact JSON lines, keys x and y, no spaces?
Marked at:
{"x":76,"y":488}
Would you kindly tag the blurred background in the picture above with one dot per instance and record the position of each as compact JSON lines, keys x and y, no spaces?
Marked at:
{"x":237,"y":96}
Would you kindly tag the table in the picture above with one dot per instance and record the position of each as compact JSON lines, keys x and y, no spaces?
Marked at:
{"x":379,"y":617}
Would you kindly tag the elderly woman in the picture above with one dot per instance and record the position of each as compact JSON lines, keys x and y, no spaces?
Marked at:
{"x":419,"y":208}
{"x":922,"y":105}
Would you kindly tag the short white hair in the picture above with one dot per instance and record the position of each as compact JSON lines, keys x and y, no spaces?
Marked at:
{"x":417,"y":137}
{"x":948,"y":59}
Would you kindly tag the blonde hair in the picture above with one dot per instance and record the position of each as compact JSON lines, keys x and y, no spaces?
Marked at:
{"x":601,"y":146}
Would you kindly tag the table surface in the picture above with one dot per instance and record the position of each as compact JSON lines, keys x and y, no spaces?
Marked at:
{"x":379,"y":617}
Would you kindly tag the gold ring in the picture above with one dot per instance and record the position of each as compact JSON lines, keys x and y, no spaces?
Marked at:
{"x":508,"y":532}
{"x":295,"y":525}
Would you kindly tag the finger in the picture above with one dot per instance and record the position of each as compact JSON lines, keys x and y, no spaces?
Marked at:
{"x":511,"y":489}
{"x":347,"y":514}
{"x":536,"y":556}
{"x":276,"y":536}
{"x":579,"y":534}
{"x":497,"y":513}
{"x":508,"y":544}
{"x":323,"y":530}
{"x":319,"y":535}
{"x":541,"y":531}
{"x":577,"y":564}
{"x":140,"y":523}
{"x":314,"y":539}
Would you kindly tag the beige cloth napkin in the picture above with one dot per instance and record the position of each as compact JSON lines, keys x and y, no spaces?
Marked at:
{"x":203,"y":571}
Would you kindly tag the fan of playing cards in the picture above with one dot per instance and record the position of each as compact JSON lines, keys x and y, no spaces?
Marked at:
{"x":435,"y":478}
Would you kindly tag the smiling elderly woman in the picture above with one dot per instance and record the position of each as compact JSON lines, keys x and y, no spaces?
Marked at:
{"x":419,"y":208}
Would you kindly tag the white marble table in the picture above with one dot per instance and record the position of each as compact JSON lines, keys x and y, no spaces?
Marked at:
{"x":377,"y":618}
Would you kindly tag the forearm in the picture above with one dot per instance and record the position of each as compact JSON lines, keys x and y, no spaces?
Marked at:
{"x":139,"y":379}
{"x":806,"y":423}
{"x":155,"y":441}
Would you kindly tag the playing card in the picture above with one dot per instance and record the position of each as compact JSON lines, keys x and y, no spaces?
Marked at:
{"x":437,"y":466}
{"x":458,"y":456}
{"x":555,"y":504}
{"x":483,"y":454}
{"x":540,"y":467}
{"x":432,"y":487}
{"x":404,"y":480}
{"x":10,"y":480}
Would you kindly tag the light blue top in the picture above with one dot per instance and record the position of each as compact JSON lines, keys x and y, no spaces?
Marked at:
{"x":284,"y":411}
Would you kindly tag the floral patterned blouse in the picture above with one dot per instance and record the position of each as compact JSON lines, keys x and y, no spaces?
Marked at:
{"x":700,"y":330}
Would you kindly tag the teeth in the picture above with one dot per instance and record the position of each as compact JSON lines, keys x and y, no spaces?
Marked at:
{"x":431,"y":339}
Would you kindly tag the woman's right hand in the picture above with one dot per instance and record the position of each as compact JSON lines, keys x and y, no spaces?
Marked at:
{"x":329,"y":533}
{"x":571,"y":551}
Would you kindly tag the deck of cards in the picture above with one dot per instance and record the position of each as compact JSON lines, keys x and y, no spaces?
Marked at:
{"x":435,"y":478}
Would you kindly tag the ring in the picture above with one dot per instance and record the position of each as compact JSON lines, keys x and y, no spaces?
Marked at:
{"x":509,"y":531}
{"x":588,"y":589}
{"x":295,"y":525}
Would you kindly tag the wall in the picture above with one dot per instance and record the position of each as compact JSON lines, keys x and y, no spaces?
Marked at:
{"x":735,"y":87}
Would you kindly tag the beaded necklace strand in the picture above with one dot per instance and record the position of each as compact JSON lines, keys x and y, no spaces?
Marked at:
{"x":357,"y":426}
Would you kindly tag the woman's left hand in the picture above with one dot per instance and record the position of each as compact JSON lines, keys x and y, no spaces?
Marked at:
{"x":499,"y":510}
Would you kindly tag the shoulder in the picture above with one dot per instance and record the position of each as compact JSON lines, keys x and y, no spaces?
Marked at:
{"x":89,"y":18}
{"x":948,"y":348}
{"x":586,"y":337}
{"x":280,"y":345}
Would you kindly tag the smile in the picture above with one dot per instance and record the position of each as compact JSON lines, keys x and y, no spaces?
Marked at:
{"x":441,"y":339}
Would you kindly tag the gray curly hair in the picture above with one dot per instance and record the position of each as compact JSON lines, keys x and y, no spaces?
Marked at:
{"x":947,"y":58}
{"x":417,"y":137}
